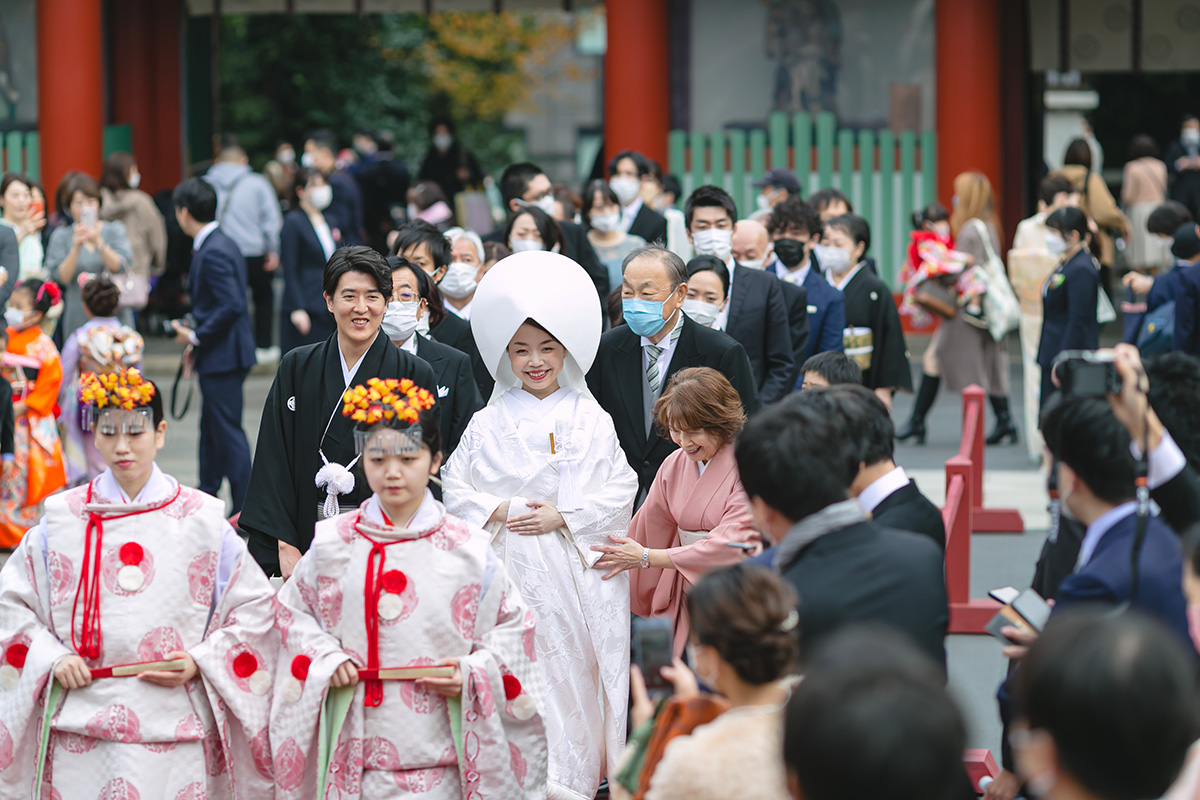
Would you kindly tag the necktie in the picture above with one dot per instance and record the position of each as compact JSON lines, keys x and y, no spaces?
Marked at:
{"x":652,"y":376}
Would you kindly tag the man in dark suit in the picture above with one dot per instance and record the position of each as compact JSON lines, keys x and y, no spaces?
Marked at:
{"x":346,"y":211}
{"x":627,"y":171}
{"x":752,"y":249}
{"x":756,"y":315}
{"x":884,"y":490}
{"x":795,"y":229}
{"x":222,"y":341}
{"x":846,"y":568}
{"x":526,"y":184}
{"x":636,"y":361}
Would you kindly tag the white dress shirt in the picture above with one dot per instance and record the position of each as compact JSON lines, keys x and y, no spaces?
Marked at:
{"x":883,"y":487}
{"x":794,"y":276}
{"x":722,"y":321}
{"x":1164,"y":463}
{"x":668,"y":348}
{"x":325,"y":237}
{"x":461,"y":313}
{"x":1102,"y":525}
{"x":629,"y":213}
{"x":202,"y":234}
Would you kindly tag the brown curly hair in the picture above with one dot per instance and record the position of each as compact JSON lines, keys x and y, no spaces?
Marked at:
{"x":700,"y":399}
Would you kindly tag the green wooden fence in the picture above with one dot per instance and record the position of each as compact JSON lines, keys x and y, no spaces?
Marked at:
{"x":20,"y":151}
{"x":885,"y":176}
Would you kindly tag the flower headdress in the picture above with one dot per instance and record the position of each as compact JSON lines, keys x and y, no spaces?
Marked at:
{"x":124,"y":390}
{"x":395,"y":403}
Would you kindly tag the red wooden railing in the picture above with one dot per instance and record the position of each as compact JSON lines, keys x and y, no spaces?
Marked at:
{"x":965,"y":514}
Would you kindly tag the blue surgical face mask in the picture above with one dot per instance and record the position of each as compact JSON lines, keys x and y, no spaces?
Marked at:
{"x":644,"y":317}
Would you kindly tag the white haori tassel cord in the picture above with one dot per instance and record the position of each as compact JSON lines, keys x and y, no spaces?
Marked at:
{"x":570,"y":496}
{"x":335,"y":480}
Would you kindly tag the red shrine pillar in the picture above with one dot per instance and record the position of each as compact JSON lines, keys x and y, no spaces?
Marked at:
{"x":967,"y":33}
{"x":70,"y":89}
{"x":637,"y":79}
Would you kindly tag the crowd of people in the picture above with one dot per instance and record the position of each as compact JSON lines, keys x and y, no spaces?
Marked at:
{"x":487,"y":448}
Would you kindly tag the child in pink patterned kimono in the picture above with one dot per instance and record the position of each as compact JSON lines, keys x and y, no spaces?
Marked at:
{"x":400,"y":584}
{"x":136,"y":632}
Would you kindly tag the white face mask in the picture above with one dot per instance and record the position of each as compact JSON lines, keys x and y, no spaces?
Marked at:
{"x":135,"y":180}
{"x":319,"y":197}
{"x":625,"y":188}
{"x":306,"y":160}
{"x":286,"y":157}
{"x":763,"y":202}
{"x":942,"y":229}
{"x":412,"y":211}
{"x":423,"y":326}
{"x":526,"y":245}
{"x":757,"y":263}
{"x":699,"y":311}
{"x":442,"y":141}
{"x":545,"y":203}
{"x":15,"y":318}
{"x":1190,"y":136}
{"x":713,"y":242}
{"x":1055,"y":243}
{"x":459,"y":280}
{"x":400,"y":320}
{"x":834,"y":259}
{"x":606,"y":223}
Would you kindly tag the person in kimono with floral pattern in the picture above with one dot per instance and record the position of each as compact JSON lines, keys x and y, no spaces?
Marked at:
{"x":541,"y":468}
{"x":137,"y":634}
{"x":407,"y":652}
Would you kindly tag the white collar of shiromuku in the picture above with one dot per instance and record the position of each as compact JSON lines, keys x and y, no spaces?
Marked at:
{"x":158,"y":487}
{"x":429,"y":514}
{"x":527,"y":408}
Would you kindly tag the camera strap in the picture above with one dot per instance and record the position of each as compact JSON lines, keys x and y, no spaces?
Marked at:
{"x":187,"y":401}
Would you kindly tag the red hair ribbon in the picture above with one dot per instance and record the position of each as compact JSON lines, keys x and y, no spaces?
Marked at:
{"x":51,"y":288}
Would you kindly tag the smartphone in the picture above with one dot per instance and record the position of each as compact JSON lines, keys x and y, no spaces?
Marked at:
{"x":747,"y":546}
{"x":36,"y":207}
{"x":88,"y":217}
{"x":1005,"y":594}
{"x":651,"y":638}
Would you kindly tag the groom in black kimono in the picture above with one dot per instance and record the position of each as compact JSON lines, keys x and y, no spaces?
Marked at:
{"x":302,"y":418}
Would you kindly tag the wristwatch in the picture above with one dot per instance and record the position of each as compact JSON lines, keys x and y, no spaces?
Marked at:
{"x":645,"y":558}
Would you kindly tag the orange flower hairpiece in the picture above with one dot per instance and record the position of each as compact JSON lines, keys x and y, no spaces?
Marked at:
{"x":124,"y":389}
{"x":390,"y":400}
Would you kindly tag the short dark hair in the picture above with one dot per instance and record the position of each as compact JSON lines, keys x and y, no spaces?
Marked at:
{"x":115,"y":174}
{"x":323,"y":138}
{"x":867,"y":421}
{"x":420,"y":232}
{"x":853,"y":226}
{"x":676,"y":270}
{"x":671,"y":184}
{"x":1185,"y":244}
{"x":794,"y":214}
{"x":300,"y":180}
{"x":198,"y":197}
{"x":1082,"y":433}
{"x":821,"y":198}
{"x":934,"y":212}
{"x":797,"y":442}
{"x":494,"y":251}
{"x":1079,"y":153}
{"x":515,"y":180}
{"x":41,"y":292}
{"x":1166,"y":218}
{"x":872,"y":711}
{"x":710,"y":264}
{"x":1069,"y":219}
{"x":1175,"y":397}
{"x":441,"y":120}
{"x":709,"y":196}
{"x":547,"y":227}
{"x":100,"y":296}
{"x":1142,"y":146}
{"x":639,"y":161}
{"x":357,"y":259}
{"x":425,"y":288}
{"x":744,"y":613}
{"x":1117,"y":694}
{"x":1053,"y":185}
{"x":834,"y":367}
{"x":598,"y":186}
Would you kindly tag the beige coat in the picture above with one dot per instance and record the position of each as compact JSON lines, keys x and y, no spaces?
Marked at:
{"x":1144,"y":181}
{"x":1098,"y":203}
{"x":146,"y":228}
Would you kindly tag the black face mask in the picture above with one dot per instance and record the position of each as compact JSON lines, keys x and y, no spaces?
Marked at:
{"x":790,"y":252}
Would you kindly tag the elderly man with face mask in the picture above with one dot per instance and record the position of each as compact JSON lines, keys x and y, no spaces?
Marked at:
{"x":752,"y":248}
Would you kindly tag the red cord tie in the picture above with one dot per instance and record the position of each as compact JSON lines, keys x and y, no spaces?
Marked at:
{"x":87,"y":644}
{"x":376,"y":582}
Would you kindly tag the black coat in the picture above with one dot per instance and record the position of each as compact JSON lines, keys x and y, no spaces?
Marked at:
{"x":346,"y":211}
{"x":758,"y":319}
{"x":455,"y":387}
{"x":869,"y":573}
{"x":305,"y":396}
{"x":1069,"y":309}
{"x":650,"y":225}
{"x":456,"y":332}
{"x":616,"y":378}
{"x":906,"y":509}
{"x":795,"y":298}
{"x":576,"y":247}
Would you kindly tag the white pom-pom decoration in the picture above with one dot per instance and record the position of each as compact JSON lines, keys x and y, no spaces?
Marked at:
{"x":292,"y":690}
{"x":130,"y":577}
{"x":524,"y":707}
{"x":9,"y":676}
{"x":390,"y":605}
{"x":334,"y":479}
{"x":260,"y":682}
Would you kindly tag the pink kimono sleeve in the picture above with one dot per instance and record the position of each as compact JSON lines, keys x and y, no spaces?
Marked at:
{"x":734,"y":524}
{"x":653,"y":527}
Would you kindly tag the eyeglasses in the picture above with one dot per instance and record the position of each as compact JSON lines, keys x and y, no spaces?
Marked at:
{"x":408,"y":297}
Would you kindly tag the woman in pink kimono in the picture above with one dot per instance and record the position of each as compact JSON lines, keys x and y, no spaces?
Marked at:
{"x":408,"y":654}
{"x":696,"y":516}
{"x":137,"y":634}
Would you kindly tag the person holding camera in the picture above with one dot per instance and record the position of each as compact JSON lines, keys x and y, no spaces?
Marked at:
{"x":1070,"y":294}
{"x":219,"y":338}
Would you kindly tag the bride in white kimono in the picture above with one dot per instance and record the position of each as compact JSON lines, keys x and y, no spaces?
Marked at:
{"x":541,"y":469}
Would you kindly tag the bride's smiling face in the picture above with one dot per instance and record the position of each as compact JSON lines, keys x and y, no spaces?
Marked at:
{"x":537,"y":359}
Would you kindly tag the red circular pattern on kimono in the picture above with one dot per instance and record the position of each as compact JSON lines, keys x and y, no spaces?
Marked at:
{"x":512,"y":687}
{"x":131,"y":554}
{"x":300,"y":665}
{"x":245,"y":665}
{"x":394,"y":581}
{"x":15,"y":656}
